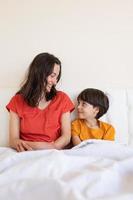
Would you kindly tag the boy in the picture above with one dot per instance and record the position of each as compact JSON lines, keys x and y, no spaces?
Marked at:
{"x":92,"y":104}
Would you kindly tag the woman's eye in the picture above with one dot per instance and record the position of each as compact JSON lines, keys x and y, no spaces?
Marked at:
{"x":52,"y":76}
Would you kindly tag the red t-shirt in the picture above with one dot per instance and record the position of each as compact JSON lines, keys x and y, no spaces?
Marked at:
{"x":41,"y":124}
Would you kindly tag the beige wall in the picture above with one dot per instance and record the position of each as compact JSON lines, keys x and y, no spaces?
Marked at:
{"x":93,"y":38}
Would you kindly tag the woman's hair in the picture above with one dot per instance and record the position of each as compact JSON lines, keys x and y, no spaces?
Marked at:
{"x":96,"y":98}
{"x":34,"y":85}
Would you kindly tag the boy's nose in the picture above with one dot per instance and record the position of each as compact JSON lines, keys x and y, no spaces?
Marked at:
{"x":79,"y":107}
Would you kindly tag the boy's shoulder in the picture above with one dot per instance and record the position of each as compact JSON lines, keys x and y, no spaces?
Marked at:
{"x":105,"y":125}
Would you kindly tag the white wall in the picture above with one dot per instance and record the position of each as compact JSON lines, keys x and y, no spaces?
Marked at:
{"x":93,"y":39}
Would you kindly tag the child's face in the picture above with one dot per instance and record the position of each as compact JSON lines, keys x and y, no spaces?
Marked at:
{"x":86,"y":110}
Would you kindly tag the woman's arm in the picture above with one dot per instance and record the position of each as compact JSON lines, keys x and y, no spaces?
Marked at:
{"x":21,"y":145}
{"x":14,"y":132}
{"x":62,"y":141}
{"x":76,"y":140}
{"x":65,"y":137}
{"x":41,"y":145}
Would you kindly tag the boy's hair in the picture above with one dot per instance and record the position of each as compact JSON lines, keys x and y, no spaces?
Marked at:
{"x":96,"y":98}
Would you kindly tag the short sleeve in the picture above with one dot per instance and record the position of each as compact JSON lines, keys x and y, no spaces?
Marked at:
{"x":110,"y":133}
{"x":15,"y":105}
{"x":67,"y":103}
{"x":75,"y":128}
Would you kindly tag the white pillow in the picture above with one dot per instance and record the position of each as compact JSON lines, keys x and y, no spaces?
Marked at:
{"x":130,"y":115}
{"x":5,"y":96}
{"x":117,"y":114}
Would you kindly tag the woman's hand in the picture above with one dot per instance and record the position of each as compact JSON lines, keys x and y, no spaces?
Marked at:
{"x":21,"y":145}
{"x":41,"y":145}
{"x":14,"y":136}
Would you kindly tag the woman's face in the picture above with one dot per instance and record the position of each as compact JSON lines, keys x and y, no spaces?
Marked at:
{"x":53,"y":77}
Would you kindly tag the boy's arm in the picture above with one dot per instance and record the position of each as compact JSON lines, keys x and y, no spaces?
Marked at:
{"x":76,"y":140}
{"x":110,"y":134}
{"x":75,"y":129}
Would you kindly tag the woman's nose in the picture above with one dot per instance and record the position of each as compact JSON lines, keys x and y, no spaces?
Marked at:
{"x":55,"y":81}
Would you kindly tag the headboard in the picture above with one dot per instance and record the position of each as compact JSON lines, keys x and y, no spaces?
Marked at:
{"x":120,"y":113}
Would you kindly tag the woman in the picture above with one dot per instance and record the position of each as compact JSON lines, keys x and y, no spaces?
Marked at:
{"x":39,"y":114}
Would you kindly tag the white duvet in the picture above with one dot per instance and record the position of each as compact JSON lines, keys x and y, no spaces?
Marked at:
{"x":93,"y":170}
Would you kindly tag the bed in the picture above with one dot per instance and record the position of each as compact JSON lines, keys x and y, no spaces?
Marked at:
{"x":95,"y":169}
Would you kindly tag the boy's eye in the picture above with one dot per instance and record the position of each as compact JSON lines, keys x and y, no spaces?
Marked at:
{"x":84,"y":104}
{"x":79,"y":103}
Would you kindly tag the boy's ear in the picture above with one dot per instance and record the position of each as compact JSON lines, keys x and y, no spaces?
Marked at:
{"x":96,"y":110}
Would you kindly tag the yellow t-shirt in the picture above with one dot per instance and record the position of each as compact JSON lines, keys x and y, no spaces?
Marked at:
{"x":80,"y":128}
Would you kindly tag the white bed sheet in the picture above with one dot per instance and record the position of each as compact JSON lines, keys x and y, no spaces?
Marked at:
{"x":95,"y":169}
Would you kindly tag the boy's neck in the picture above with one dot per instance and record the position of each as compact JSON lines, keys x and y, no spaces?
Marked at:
{"x":92,"y":123}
